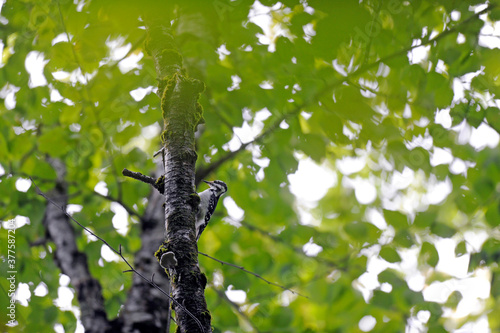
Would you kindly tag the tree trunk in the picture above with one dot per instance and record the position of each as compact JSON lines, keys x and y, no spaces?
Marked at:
{"x":181,"y":113}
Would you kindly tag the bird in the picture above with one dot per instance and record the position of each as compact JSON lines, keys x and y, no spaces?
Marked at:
{"x":208,"y":201}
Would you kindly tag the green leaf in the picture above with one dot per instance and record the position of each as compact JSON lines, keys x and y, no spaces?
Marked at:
{"x":494,"y":14}
{"x":460,"y":249}
{"x":403,"y":238}
{"x":484,"y":188}
{"x":428,"y":254}
{"x":70,"y":115}
{"x":396,"y":219}
{"x":493,"y":117}
{"x":458,"y":113}
{"x":313,"y":145}
{"x":61,"y":56}
{"x":382,"y":300}
{"x":442,"y":230}
{"x":453,"y":300}
{"x":54,"y":142}
{"x":434,"y":308}
{"x":4,"y":151}
{"x":389,"y":254}
{"x":440,"y":88}
{"x":393,"y":277}
{"x":424,"y":219}
{"x":495,"y":285}
{"x":357,"y":230}
{"x":493,"y":215}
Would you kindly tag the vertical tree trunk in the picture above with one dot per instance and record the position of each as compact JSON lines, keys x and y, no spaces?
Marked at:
{"x":181,"y":113}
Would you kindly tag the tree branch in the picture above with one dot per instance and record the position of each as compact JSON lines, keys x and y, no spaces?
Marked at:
{"x":71,"y":261}
{"x":254,"y":274}
{"x":119,"y":253}
{"x":157,"y":184}
{"x":202,"y":173}
{"x":237,"y":308}
{"x":296,"y":249}
{"x":129,"y":210}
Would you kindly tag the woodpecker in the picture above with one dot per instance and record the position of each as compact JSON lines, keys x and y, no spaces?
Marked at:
{"x":208,"y":202}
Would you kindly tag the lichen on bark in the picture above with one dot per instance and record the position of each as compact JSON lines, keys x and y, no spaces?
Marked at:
{"x":181,"y":113}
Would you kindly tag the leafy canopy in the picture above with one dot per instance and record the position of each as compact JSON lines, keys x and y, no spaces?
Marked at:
{"x":390,"y":96}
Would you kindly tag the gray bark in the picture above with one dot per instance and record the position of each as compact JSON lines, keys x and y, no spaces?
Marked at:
{"x":181,"y":114}
{"x":72,"y":262}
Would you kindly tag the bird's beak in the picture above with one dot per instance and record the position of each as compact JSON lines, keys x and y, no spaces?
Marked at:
{"x":209,"y":183}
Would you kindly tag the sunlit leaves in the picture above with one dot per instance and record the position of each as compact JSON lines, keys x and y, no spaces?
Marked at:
{"x":493,"y":117}
{"x":348,"y":19}
{"x":389,"y":254}
{"x":54,"y":142}
{"x":337,"y":79}
{"x":461,"y":249}
{"x":429,"y":254}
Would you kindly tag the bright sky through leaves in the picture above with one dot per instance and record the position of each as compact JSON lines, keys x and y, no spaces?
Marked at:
{"x":362,"y":157}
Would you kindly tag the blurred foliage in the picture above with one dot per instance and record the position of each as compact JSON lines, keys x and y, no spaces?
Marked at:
{"x":368,"y":89}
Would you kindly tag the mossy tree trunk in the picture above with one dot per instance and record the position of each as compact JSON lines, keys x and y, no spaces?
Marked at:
{"x":181,"y":113}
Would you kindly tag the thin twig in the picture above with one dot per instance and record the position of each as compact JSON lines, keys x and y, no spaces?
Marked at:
{"x":39,"y":192}
{"x":254,"y":274}
{"x":296,"y":249}
{"x":129,"y":210}
{"x":237,"y":308}
{"x":118,"y":252}
{"x":159,"y":151}
{"x":169,"y":311}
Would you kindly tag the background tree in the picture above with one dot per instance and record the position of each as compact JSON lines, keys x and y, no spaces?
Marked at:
{"x":389,"y":97}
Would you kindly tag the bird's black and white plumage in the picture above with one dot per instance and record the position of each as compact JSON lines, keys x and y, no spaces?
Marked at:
{"x":208,"y":202}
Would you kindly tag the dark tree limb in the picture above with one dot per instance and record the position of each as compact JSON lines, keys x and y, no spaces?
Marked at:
{"x":156,"y":183}
{"x":72,"y":262}
{"x":181,"y":114}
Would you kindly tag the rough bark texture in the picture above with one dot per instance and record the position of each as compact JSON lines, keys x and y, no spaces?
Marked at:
{"x":145,"y":309}
{"x":72,"y":262}
{"x":181,"y":113}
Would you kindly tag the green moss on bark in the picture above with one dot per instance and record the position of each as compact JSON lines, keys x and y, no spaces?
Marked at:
{"x":190,"y":91}
{"x":168,"y":85}
{"x":160,"y":182}
{"x":170,"y":57}
{"x":162,"y":250}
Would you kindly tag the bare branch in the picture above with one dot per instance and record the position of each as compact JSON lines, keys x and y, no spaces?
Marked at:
{"x":145,"y":179}
{"x":237,"y":308}
{"x":138,"y":176}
